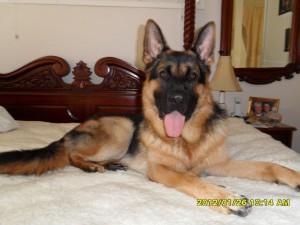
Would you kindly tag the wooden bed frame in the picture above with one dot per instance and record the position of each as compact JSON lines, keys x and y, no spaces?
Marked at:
{"x":37,"y":91}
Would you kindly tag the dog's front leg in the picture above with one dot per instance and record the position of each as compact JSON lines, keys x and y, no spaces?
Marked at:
{"x":218,"y":198}
{"x":265,"y":171}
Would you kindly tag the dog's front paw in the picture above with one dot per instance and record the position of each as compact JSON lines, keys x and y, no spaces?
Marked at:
{"x":241,"y":206}
{"x":231,"y":203}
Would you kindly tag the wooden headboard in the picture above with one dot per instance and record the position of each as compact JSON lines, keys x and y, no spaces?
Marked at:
{"x":37,"y":91}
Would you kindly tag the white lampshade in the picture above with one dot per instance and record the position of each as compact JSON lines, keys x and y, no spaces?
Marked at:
{"x":224,"y":78}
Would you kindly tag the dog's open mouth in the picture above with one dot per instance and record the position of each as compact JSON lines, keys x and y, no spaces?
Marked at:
{"x":174,"y":123}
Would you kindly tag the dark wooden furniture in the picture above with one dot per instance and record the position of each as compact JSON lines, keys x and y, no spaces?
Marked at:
{"x":283,"y":133}
{"x":262,"y":75}
{"x":37,"y":92}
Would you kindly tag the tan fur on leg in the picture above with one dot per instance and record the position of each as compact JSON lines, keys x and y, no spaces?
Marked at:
{"x":194,"y":186}
{"x":257,"y":171}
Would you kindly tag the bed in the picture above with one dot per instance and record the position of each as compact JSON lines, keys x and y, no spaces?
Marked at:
{"x":40,"y":107}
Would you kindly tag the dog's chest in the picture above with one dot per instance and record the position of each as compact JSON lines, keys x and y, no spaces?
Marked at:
{"x":175,"y":153}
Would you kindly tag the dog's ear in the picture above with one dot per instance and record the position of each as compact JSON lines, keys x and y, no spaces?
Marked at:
{"x":154,"y":42}
{"x":204,"y":44}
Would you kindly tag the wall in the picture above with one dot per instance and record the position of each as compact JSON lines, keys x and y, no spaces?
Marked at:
{"x":89,"y":33}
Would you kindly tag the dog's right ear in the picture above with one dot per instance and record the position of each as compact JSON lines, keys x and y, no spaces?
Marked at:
{"x":154,"y":42}
{"x":204,"y":44}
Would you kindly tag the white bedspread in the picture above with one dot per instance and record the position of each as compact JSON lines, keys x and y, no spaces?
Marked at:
{"x":70,"y":196}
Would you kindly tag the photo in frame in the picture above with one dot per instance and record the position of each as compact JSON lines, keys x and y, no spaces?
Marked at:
{"x":285,"y":6}
{"x":259,"y":107}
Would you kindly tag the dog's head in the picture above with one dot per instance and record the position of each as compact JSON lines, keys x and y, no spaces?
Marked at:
{"x":177,"y":81}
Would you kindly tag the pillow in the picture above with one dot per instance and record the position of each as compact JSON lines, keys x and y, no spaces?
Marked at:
{"x":7,"y":123}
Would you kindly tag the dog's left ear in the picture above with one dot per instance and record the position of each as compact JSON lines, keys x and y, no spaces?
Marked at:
{"x":204,"y":44}
{"x":154,"y":42}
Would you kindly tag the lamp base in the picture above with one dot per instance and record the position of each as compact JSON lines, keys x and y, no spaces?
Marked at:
{"x":222,"y":105}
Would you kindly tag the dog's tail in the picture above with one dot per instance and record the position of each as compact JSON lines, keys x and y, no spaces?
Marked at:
{"x":36,"y":161}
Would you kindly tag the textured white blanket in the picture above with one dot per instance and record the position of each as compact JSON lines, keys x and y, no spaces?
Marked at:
{"x":70,"y":196}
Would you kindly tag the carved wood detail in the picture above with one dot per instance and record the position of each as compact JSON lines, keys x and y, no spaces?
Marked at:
{"x":39,"y":80}
{"x":82,"y":75}
{"x":46,"y":73}
{"x":43,"y":73}
{"x":120,"y":81}
{"x":37,"y":92}
{"x":118,"y":75}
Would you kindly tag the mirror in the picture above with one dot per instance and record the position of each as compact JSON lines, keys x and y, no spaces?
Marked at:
{"x":275,"y":60}
{"x":254,"y":24}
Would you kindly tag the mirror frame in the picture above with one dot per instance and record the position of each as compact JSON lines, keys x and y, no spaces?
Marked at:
{"x":262,"y":75}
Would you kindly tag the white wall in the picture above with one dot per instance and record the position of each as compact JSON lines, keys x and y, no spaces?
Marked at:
{"x":88,"y":33}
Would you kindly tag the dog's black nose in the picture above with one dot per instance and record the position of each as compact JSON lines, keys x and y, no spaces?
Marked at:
{"x":176,"y":99}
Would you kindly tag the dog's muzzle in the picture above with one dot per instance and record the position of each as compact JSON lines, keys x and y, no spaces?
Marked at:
{"x":174,"y":119}
{"x":177,"y":101}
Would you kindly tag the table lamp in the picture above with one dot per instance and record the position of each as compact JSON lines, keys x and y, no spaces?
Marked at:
{"x":224,"y":79}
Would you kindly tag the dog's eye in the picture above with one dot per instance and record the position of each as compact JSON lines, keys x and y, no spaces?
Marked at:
{"x":164,"y":75}
{"x":193,"y":76}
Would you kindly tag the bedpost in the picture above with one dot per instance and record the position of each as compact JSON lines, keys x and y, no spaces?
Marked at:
{"x":189,"y":23}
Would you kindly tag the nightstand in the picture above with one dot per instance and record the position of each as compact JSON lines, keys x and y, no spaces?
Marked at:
{"x":281,"y":132}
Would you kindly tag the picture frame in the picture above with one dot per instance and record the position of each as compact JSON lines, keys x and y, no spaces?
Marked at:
{"x":287,"y":39}
{"x":285,"y":6}
{"x":259,"y":107}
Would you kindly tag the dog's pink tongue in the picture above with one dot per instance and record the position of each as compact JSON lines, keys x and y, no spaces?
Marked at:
{"x":174,"y":123}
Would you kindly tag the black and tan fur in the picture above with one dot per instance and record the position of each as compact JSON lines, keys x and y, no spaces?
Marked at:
{"x":176,"y":82}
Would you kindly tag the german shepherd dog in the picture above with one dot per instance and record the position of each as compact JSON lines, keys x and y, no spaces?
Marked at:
{"x":180,"y":136}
